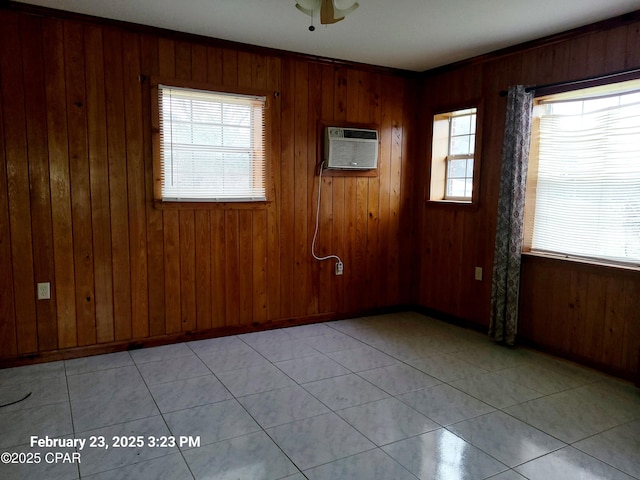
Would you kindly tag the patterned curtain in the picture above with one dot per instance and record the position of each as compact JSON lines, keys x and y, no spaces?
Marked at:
{"x":506,"y":265}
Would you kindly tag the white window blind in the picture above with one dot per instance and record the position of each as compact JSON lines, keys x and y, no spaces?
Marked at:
{"x":211,"y":146}
{"x":587,"y":199}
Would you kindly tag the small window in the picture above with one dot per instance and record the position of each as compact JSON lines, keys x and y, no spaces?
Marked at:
{"x":453,"y":152}
{"x":211,"y":146}
{"x":583,"y":187}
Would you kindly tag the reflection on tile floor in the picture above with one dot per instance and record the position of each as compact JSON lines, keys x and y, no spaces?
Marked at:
{"x":391,"y":397}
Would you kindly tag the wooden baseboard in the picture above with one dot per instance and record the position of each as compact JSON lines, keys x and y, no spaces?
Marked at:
{"x":90,"y":350}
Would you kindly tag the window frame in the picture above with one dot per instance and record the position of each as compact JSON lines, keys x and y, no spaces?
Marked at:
{"x":439,"y":157}
{"x":564,"y":94}
{"x":158,"y":201}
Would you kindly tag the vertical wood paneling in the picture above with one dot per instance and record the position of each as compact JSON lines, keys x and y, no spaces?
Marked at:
{"x":384,"y":182}
{"x":313,"y":117}
{"x":173,"y":312}
{"x":199,"y":67}
{"x":632,"y":52}
{"x":588,"y":312}
{"x":136,"y":185}
{"x":245,"y":266}
{"x":63,"y":289}
{"x":214,"y":65}
{"x":287,"y":175}
{"x":259,"y":243}
{"x":118,"y":195}
{"x":232,"y":265}
{"x":218,"y":270}
{"x":274,"y":76}
{"x":203,"y":270}
{"x":99,"y":179}
{"x":631,"y":332}
{"x":13,"y":105}
{"x":576,"y":310}
{"x":80,"y":182}
{"x":187,"y":247}
{"x":77,"y":184}
{"x":42,"y":230}
{"x":8,"y":340}
{"x":229,"y":67}
{"x":393,"y":233}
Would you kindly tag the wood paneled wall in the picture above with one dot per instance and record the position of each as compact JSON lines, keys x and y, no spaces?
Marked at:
{"x":591,"y":315}
{"x":76,"y":204}
{"x":599,"y":322}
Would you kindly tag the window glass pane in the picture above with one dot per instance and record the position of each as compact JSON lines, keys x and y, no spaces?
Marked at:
{"x":456,"y":187}
{"x":452,"y":155}
{"x":461,"y":125}
{"x":459,"y":145}
{"x":457,"y":168}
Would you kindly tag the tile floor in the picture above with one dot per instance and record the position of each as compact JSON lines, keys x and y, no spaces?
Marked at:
{"x":391,"y":397}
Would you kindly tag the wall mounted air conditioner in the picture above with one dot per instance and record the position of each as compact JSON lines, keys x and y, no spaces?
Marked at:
{"x":350,"y":148}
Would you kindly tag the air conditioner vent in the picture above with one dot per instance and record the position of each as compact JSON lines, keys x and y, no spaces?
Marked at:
{"x":351,"y":148}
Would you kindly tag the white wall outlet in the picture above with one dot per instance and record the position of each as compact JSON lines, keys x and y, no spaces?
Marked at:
{"x":339,"y":268}
{"x":44,"y":291}
{"x":478,"y":274}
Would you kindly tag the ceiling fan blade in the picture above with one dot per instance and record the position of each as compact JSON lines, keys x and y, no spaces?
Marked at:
{"x":327,"y":14}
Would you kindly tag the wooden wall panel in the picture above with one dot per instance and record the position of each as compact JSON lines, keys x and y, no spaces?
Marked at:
{"x":587,"y":312}
{"x":17,"y":170}
{"x":76,"y":193}
{"x":63,"y":284}
{"x":118,"y":183}
{"x":136,"y":184}
{"x":80,"y":182}
{"x":8,"y":339}
{"x":567,"y":308}
{"x":99,"y":171}
{"x":41,"y":226}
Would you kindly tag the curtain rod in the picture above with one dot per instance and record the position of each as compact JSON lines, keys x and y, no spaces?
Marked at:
{"x":588,"y":80}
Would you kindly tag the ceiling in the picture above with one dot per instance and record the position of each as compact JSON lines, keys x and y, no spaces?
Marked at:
{"x":408,"y":34}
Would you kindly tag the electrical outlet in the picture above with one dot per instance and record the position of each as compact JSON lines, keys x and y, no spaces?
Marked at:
{"x":478,"y":275}
{"x":44,"y":291}
{"x":339,"y":268}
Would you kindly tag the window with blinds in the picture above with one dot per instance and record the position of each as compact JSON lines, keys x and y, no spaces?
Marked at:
{"x":583,"y":197}
{"x":212,"y":146}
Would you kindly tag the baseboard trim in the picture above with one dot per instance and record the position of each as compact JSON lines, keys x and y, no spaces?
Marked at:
{"x":90,"y":350}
